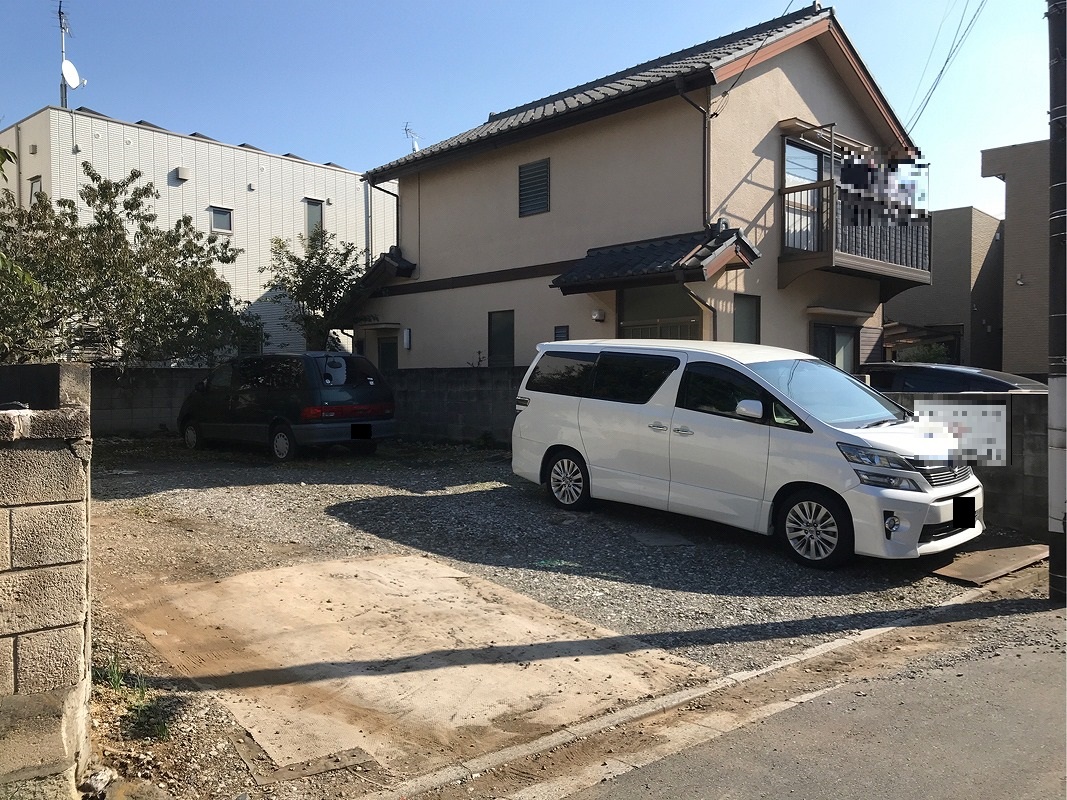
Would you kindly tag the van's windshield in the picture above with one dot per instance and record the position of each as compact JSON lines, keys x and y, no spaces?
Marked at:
{"x":833,"y":396}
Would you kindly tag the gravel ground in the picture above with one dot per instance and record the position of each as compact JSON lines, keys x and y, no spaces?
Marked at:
{"x":725,"y":598}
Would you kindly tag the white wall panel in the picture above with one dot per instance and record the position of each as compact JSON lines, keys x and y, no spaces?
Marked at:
{"x":220,"y":176}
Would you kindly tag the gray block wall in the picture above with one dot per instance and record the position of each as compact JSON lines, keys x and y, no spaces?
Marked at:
{"x":140,"y":401}
{"x":45,"y":453}
{"x":464,"y":404}
{"x":1016,"y":495}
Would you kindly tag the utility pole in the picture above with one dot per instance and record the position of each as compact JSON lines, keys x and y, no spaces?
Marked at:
{"x":1057,"y":304}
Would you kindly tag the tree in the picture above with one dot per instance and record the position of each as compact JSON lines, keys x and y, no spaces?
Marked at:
{"x":115,"y":289}
{"x":931,"y":353}
{"x":317,"y":286}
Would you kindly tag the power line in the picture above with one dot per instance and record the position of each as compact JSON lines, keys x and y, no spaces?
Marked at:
{"x":724,"y":99}
{"x":933,"y":46}
{"x":953,"y":52}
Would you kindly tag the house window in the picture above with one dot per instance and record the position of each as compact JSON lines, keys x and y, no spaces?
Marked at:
{"x":837,"y":345}
{"x":746,"y":318}
{"x":659,"y":312}
{"x":314,"y":215}
{"x":35,"y":188}
{"x":221,"y":219}
{"x":804,"y":225}
{"x":533,"y":188}
{"x":501,"y":338}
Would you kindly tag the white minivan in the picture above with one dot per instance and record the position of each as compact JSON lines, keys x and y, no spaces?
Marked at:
{"x":761,"y":438}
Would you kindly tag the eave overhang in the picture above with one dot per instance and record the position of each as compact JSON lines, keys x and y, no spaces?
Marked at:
{"x":685,"y":258}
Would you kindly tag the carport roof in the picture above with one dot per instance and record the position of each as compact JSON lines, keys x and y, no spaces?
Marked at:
{"x":671,"y":259}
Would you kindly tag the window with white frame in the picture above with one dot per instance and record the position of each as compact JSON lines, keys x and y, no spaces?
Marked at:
{"x":35,"y":188}
{"x":221,"y":219}
{"x":313,"y":214}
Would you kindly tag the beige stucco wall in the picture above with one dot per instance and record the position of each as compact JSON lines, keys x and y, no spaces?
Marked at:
{"x":631,"y":176}
{"x":1025,"y":170}
{"x":32,"y":133}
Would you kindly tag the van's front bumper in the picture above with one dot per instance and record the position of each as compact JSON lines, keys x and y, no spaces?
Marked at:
{"x":928,"y":521}
{"x":311,"y":434}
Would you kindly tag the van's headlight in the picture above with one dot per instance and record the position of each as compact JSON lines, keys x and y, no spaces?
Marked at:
{"x":869,"y":457}
{"x":883,"y":481}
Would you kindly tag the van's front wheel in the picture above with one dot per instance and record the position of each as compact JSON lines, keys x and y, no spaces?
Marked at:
{"x":815,"y":527}
{"x":568,"y":481}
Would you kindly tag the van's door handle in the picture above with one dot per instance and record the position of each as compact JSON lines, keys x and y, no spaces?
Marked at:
{"x":684,"y":430}
{"x":657,"y":426}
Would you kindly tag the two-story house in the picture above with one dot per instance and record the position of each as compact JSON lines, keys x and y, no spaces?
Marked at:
{"x":757,"y":187}
{"x":237,"y":191}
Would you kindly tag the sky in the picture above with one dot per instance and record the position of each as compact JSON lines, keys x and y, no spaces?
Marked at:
{"x":340,"y":80}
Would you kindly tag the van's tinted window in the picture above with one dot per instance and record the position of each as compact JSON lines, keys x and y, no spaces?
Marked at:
{"x":284,"y":373}
{"x":714,"y":389}
{"x":250,"y":373}
{"x":630,"y":378}
{"x":919,"y":379}
{"x":881,"y":379}
{"x":222,"y":377}
{"x":562,"y":373}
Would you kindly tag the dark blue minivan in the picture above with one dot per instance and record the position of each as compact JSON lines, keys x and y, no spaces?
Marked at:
{"x":289,"y":401}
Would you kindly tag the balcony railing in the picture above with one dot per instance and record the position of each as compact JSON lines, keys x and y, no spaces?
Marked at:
{"x":822,"y":218}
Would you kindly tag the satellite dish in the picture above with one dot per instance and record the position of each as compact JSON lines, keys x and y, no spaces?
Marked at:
{"x":70,"y":74}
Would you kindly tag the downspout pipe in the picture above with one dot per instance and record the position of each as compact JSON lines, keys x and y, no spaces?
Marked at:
{"x":705,"y":153}
{"x":394,"y":195}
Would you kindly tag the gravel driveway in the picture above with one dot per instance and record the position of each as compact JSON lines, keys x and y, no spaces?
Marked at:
{"x":725,"y":598}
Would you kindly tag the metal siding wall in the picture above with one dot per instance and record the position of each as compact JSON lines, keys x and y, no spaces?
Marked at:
{"x":220,"y":176}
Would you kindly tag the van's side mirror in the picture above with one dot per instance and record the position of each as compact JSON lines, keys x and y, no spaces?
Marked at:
{"x":752,"y":409}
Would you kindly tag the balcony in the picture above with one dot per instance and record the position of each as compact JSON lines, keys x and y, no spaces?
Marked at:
{"x":827,"y":228}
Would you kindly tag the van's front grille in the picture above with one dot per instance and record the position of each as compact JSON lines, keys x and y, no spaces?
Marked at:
{"x":942,"y":474}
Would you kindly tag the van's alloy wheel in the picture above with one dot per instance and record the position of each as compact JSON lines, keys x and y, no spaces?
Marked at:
{"x":816,"y":528}
{"x":568,"y":481}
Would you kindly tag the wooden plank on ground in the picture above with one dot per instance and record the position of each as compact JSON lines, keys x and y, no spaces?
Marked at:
{"x":985,"y":565}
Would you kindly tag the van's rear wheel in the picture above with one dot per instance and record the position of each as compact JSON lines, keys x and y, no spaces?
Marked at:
{"x":815,"y":527}
{"x":282,"y":443}
{"x":568,"y":481}
{"x":192,"y":436}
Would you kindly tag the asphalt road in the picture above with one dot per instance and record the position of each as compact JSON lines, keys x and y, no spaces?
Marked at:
{"x":986,"y":723}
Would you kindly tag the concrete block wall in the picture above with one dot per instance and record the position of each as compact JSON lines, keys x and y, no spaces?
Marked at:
{"x":1016,"y":495}
{"x":464,"y":404}
{"x":44,"y":582}
{"x":140,"y":401}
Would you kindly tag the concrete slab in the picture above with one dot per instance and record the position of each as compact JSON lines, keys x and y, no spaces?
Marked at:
{"x":983,"y":566}
{"x":414,"y":663}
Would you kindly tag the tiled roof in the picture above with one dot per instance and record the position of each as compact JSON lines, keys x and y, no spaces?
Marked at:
{"x":665,"y":260}
{"x":625,"y":89}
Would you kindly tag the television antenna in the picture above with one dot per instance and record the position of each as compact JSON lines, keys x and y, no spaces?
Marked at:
{"x":69,"y":72}
{"x":413,"y":136}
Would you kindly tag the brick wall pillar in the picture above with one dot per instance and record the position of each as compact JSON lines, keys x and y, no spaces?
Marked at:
{"x":44,"y":582}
